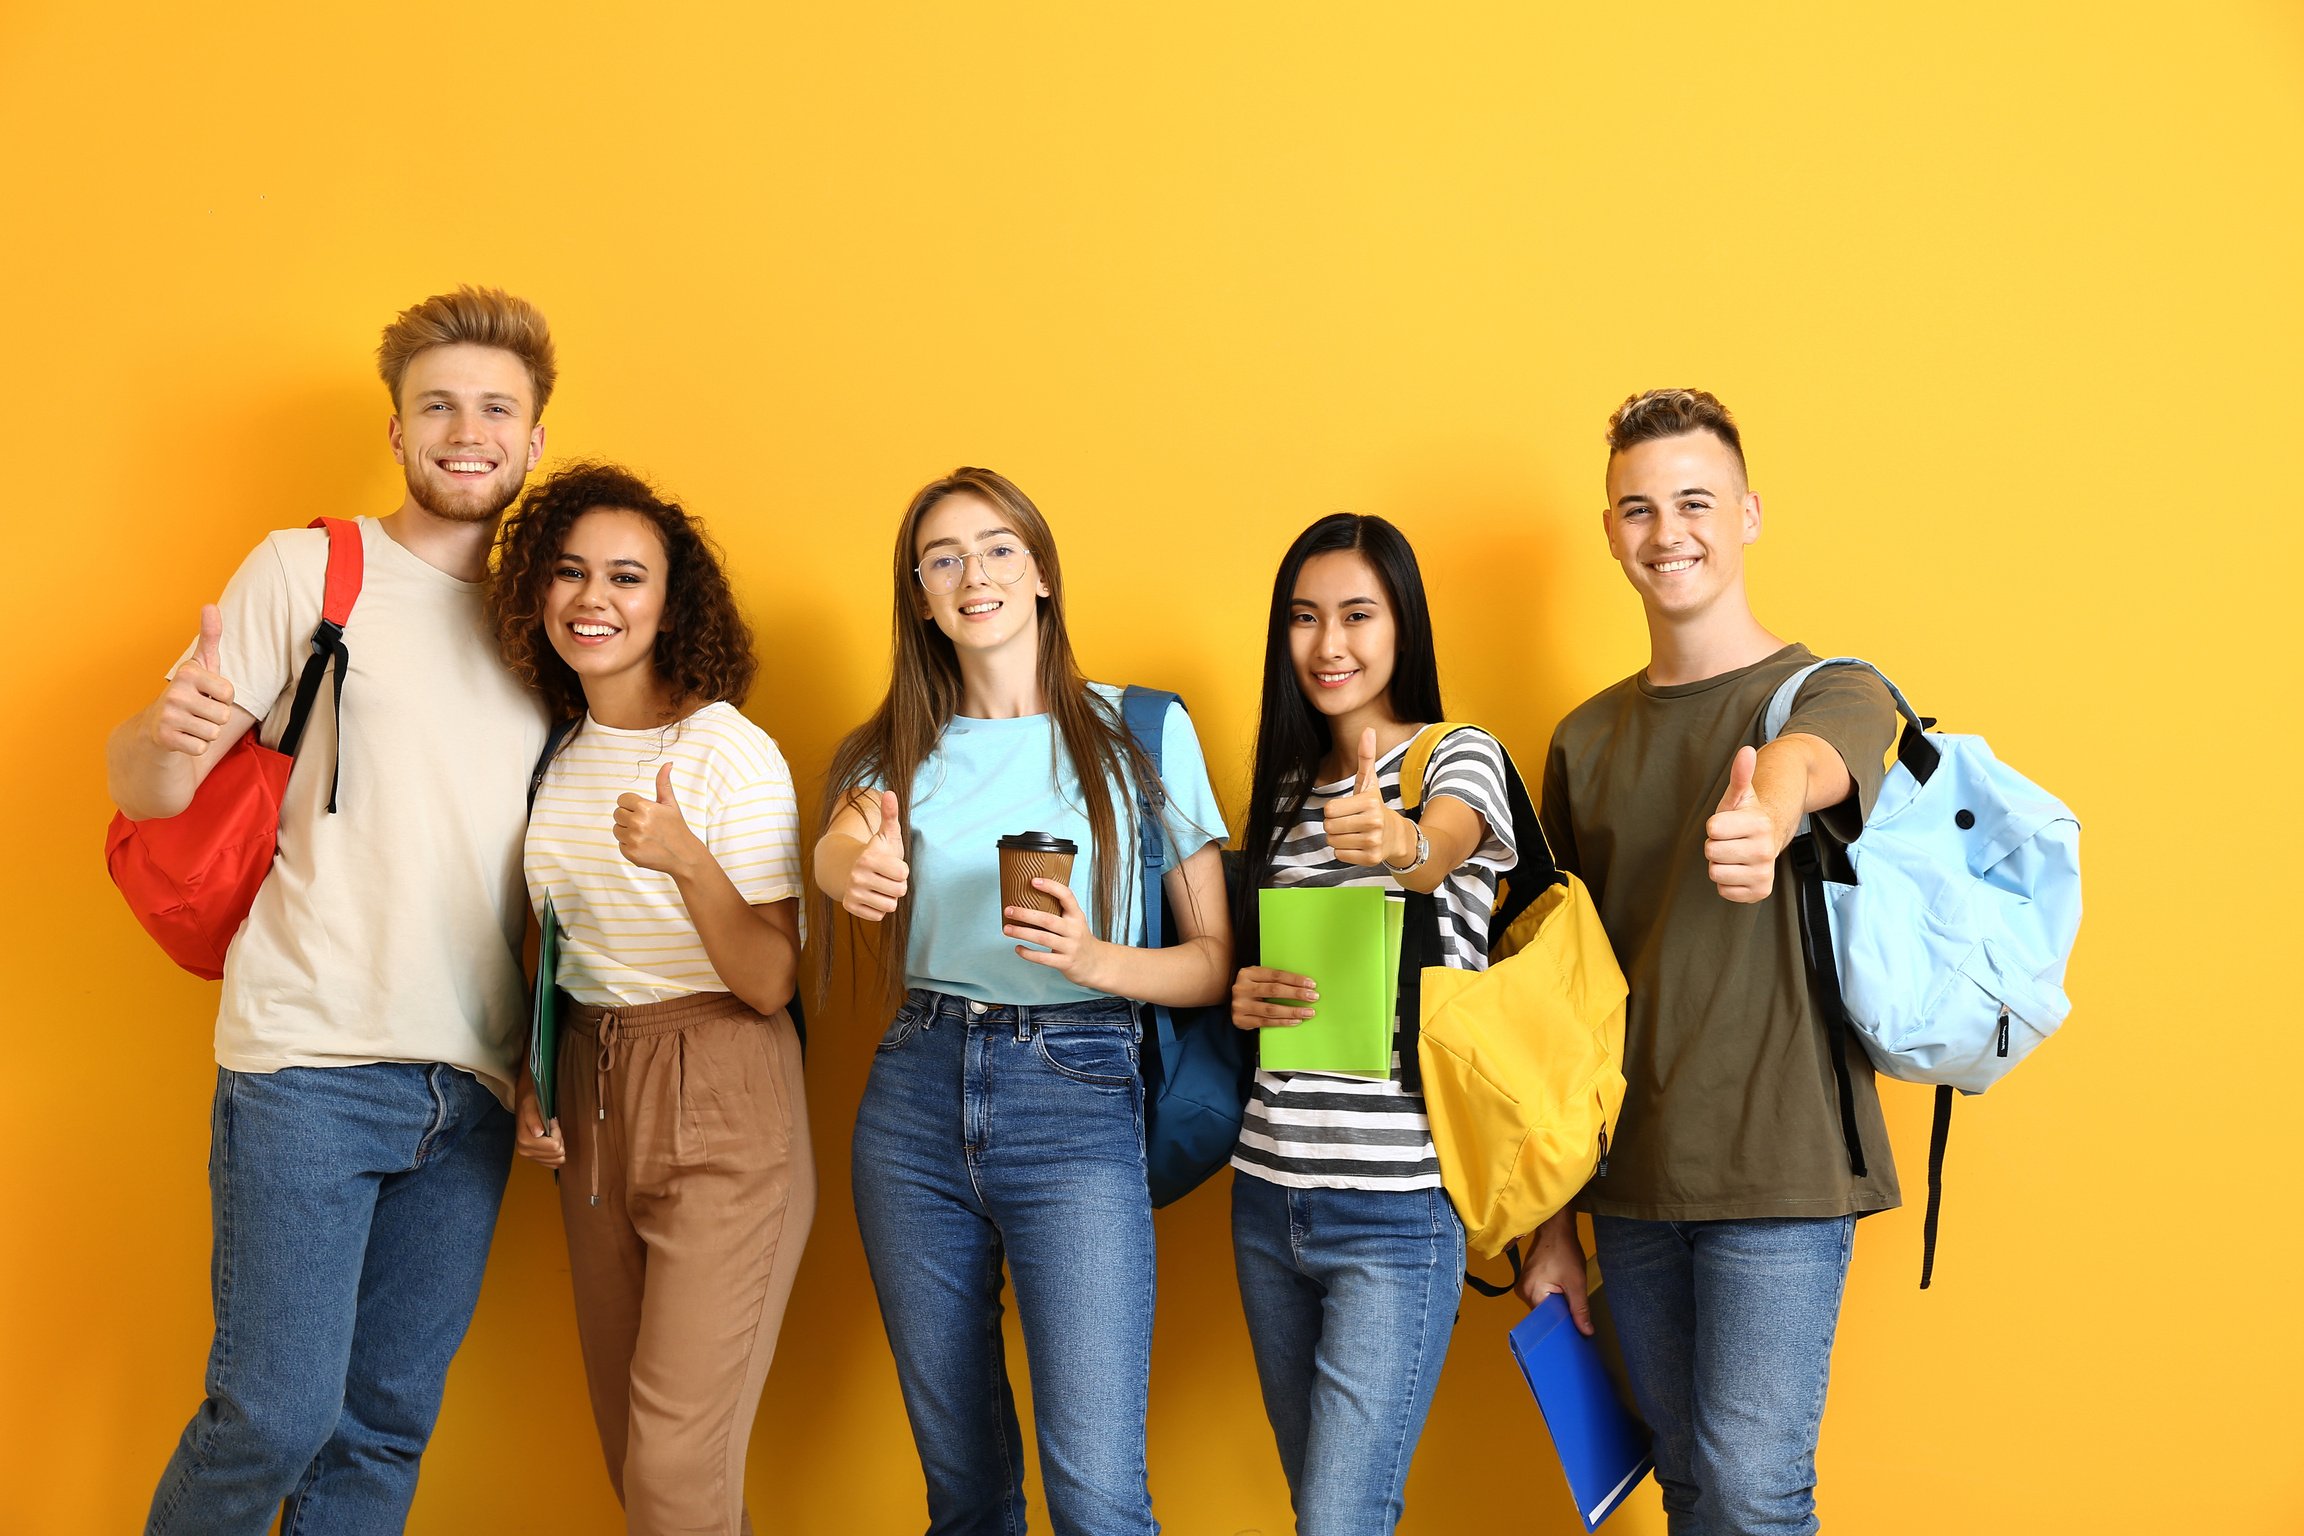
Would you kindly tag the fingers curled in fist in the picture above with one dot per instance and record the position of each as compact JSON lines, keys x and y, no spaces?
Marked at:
{"x":881,"y":875}
{"x":651,"y":832}
{"x":1741,"y":840}
{"x":1355,"y":823}
{"x":196,"y":705}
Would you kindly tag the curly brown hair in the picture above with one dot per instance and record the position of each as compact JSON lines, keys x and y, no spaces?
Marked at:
{"x":704,"y":647}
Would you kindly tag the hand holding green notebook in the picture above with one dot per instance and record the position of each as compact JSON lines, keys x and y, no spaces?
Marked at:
{"x":1347,"y":940}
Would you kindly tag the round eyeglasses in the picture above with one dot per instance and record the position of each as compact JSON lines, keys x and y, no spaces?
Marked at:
{"x":943,"y":571}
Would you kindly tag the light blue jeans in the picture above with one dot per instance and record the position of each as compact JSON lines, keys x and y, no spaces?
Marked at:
{"x":1727,"y":1330}
{"x":1351,"y":1296}
{"x":353,"y":1209}
{"x":991,"y":1133}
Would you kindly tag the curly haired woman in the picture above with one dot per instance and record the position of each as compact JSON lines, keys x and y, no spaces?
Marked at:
{"x":666,"y":834}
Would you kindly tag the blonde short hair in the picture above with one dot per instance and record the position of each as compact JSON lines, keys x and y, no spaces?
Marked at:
{"x":480,"y":317}
{"x":1672,"y":413}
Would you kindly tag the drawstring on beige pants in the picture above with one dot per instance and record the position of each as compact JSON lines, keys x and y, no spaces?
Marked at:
{"x":610,"y":1034}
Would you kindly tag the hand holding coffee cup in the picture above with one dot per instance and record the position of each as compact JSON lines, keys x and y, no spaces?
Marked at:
{"x":1037,"y":905}
{"x":1029,"y":856}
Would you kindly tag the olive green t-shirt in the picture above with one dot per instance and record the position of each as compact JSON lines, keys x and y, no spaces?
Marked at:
{"x":1730,"y":1110}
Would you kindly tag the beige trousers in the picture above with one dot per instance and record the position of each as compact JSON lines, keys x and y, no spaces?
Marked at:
{"x":687,"y":1195}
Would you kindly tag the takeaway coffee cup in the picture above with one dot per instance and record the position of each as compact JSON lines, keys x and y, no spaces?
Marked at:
{"x":1026,"y":856}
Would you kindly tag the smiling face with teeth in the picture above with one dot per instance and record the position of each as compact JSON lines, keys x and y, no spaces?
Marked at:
{"x":605,"y":606}
{"x":1343,"y":639}
{"x":1679,"y":515}
{"x":980,"y":615}
{"x":466,"y":432}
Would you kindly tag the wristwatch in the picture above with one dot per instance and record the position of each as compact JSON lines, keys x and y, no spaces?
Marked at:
{"x":1423,"y":852}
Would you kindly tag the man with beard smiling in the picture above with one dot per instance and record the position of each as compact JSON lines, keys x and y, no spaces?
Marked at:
{"x":373,"y":1001}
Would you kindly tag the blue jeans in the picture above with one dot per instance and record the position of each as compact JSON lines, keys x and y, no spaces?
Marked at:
{"x":1727,"y":1331}
{"x":1351,"y":1296}
{"x":353,"y":1208}
{"x":997,"y":1132}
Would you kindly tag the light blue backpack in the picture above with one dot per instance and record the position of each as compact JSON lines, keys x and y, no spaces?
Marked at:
{"x":1939,"y":936}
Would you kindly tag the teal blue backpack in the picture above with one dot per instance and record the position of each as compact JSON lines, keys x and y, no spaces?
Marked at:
{"x":1196,"y":1066}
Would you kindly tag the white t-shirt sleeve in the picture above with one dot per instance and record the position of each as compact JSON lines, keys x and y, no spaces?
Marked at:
{"x":755,"y":828}
{"x":262,"y":650}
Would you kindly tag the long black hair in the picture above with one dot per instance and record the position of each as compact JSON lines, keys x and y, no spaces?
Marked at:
{"x":1292,"y":737}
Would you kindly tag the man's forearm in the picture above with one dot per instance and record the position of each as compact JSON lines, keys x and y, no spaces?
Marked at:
{"x":1798,"y":775}
{"x":147,"y":781}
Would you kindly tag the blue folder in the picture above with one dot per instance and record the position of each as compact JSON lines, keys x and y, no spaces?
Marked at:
{"x":1602,"y":1447}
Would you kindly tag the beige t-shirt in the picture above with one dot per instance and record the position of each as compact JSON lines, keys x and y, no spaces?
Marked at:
{"x":391,"y":930}
{"x":628,"y":938}
{"x":1731,"y":1109}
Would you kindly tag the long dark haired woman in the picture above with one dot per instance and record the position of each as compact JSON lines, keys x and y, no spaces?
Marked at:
{"x":1003,"y":1119}
{"x":666,"y":835}
{"x":1349,"y":1254}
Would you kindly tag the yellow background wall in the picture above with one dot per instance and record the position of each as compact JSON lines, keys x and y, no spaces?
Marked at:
{"x":2006,"y":297}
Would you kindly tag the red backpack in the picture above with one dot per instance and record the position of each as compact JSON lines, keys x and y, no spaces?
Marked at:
{"x":191,"y":878}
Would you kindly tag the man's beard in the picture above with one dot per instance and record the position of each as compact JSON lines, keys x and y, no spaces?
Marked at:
{"x":481,"y":503}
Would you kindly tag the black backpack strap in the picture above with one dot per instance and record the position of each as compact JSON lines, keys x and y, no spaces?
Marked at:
{"x":1939,"y":1134}
{"x":554,"y":740}
{"x":327,"y":648}
{"x":1824,"y":970}
{"x":340,"y":591}
{"x":1490,"y":1287}
{"x":1419,"y":947}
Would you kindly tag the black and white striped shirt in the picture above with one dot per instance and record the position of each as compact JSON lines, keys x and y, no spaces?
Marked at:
{"x":1313,"y":1130}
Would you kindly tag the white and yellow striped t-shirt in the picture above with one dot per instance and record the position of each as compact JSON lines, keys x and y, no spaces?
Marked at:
{"x":627,"y":936}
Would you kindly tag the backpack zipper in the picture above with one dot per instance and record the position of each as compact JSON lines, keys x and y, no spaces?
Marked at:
{"x":2002,"y":1048}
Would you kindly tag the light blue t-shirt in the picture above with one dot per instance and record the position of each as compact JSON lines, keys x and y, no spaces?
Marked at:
{"x":989,"y":778}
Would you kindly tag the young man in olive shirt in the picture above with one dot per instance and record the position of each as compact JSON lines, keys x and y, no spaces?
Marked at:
{"x":1725,"y":1215}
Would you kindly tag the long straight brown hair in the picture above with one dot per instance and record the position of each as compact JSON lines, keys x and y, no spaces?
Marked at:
{"x":924,"y":691}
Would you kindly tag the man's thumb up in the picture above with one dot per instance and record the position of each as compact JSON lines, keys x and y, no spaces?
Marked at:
{"x":211,"y":638}
{"x":1740,"y":780}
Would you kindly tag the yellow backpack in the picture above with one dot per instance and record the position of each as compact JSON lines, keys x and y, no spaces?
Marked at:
{"x":1522,"y":1064}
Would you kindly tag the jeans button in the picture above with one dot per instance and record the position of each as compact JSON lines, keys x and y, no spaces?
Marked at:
{"x":974,"y":1006}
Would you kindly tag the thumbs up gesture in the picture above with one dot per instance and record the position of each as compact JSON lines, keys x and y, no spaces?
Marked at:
{"x":881,"y":875}
{"x":1357,"y":823}
{"x":197,"y":703}
{"x":652,"y":832}
{"x":1741,"y":838}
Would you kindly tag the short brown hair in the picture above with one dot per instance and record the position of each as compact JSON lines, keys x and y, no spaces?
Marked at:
{"x":703,"y":647}
{"x":480,"y":317}
{"x":1672,"y":413}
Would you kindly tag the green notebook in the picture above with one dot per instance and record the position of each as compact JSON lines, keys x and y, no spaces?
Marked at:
{"x":544,"y":1020}
{"x":1347,"y":939}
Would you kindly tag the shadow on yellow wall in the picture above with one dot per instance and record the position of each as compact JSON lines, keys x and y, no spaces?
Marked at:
{"x":2007,"y":303}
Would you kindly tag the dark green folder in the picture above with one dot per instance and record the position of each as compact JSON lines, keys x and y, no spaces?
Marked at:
{"x":1347,"y":939}
{"x":544,"y":1019}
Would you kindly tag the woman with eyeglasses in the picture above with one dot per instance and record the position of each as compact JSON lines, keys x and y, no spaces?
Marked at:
{"x":1003,"y":1118}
